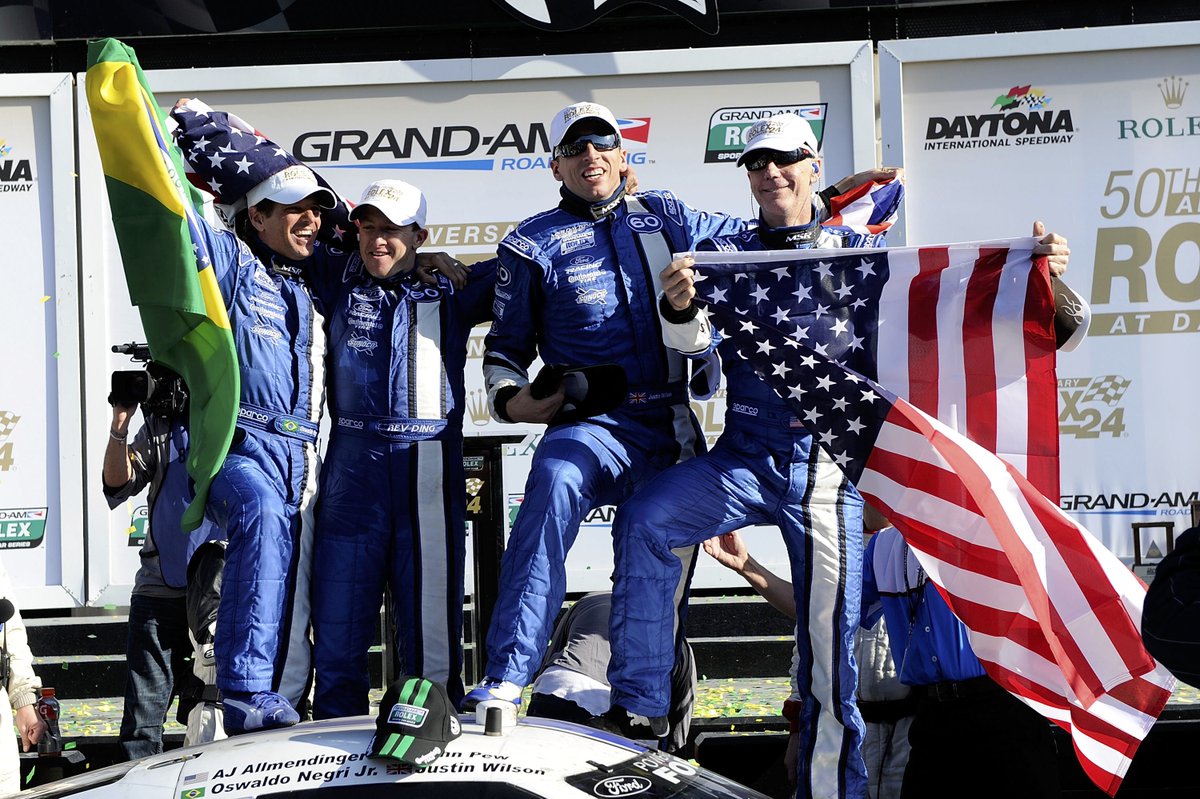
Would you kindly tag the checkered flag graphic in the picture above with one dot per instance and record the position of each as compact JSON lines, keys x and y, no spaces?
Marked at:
{"x":1108,"y":389}
{"x":8,"y":421}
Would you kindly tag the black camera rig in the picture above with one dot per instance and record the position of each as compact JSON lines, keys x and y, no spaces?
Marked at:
{"x":156,"y":388}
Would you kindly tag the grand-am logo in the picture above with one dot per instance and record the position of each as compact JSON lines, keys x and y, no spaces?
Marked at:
{"x":1023,"y":117}
{"x":22,"y":528}
{"x":512,"y":146}
{"x":627,"y":785}
{"x":363,"y":345}
{"x":1091,"y":406}
{"x":1132,"y":503}
{"x":16,"y":174}
{"x":727,"y":127}
{"x":644,"y":223}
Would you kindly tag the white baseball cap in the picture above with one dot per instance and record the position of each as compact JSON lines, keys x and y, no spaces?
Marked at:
{"x":578,"y":112}
{"x":782,"y":133}
{"x":402,"y":203}
{"x":291,"y":185}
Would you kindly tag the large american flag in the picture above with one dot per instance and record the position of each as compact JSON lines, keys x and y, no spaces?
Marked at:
{"x":966,"y":332}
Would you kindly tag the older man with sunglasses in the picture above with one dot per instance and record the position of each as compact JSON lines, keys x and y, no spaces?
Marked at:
{"x":765,"y":469}
{"x":577,"y":286}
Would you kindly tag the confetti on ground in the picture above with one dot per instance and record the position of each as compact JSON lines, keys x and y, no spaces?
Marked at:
{"x":744,"y":700}
{"x":46,"y":298}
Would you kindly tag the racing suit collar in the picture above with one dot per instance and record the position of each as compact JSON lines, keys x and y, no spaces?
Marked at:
{"x":797,"y":237}
{"x":274,"y":261}
{"x":574,"y":204}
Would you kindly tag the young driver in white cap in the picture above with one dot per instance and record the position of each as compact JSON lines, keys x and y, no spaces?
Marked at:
{"x":393,"y":495}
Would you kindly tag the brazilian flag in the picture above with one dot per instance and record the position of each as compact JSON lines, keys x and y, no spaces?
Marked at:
{"x":167,"y":265}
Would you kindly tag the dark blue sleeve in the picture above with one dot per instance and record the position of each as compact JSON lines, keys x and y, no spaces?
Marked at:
{"x":512,"y":343}
{"x":872,"y":607}
{"x":476,"y":299}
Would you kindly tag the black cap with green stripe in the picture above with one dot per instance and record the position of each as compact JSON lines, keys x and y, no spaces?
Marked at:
{"x":416,"y":721}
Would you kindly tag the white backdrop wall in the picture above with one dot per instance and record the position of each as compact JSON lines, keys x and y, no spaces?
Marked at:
{"x":472,"y":135}
{"x":1097,"y":132}
{"x":41,"y":498}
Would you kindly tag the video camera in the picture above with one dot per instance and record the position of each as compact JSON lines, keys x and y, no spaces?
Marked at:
{"x":156,"y":388}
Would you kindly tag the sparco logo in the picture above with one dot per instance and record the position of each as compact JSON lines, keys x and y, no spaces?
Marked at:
{"x":622,"y":786}
{"x":1091,"y":406}
{"x":727,"y":127}
{"x":1021,"y":117}
{"x":253,"y":416}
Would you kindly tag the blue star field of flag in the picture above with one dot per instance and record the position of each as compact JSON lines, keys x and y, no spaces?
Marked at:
{"x":808,"y":330}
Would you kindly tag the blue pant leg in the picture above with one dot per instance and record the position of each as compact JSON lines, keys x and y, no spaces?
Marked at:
{"x":428,"y":562}
{"x":575,"y":468}
{"x":247,"y":503}
{"x":351,"y":551}
{"x":689,"y":503}
{"x":822,"y":527}
{"x":157,"y":645}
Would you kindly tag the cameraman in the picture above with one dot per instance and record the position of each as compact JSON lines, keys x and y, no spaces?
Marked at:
{"x":158,"y":642}
{"x":18,"y":692}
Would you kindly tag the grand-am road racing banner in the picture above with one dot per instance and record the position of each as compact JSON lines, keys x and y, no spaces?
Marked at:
{"x":41,"y":499}
{"x":473,"y":135}
{"x":1095,"y":132}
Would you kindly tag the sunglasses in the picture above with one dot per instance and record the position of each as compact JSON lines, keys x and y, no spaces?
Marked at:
{"x":602,"y":142}
{"x":759,"y":160}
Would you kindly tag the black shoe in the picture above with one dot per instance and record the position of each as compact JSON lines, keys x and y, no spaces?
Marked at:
{"x":620,"y":721}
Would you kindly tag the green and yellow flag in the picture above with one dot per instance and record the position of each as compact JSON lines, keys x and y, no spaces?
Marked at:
{"x":167,"y":265}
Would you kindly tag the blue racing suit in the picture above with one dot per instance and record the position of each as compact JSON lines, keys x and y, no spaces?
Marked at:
{"x":577,"y":286}
{"x":764,"y":469}
{"x":392,"y":502}
{"x":262,"y":496}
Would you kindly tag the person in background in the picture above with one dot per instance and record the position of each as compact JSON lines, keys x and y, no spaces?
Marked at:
{"x":158,"y":643}
{"x":969,"y":734}
{"x":1171,"y":613}
{"x":572,"y":684}
{"x":18,"y":690}
{"x":887,"y":704}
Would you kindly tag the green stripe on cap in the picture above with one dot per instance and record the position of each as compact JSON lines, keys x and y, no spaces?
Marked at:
{"x":423,"y":694}
{"x":397,"y":745}
{"x":407,"y":691}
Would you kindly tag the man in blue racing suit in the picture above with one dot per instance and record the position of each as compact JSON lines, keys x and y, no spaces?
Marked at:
{"x":393,"y":498}
{"x":262,"y":496}
{"x":764,"y":469}
{"x":577,"y":286}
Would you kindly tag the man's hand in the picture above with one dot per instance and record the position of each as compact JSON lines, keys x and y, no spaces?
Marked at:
{"x":122,"y":414}
{"x":524,"y":408}
{"x":729,"y":550}
{"x":1053,"y":246}
{"x":678,"y":282}
{"x":430,"y":262}
{"x":30,"y":725}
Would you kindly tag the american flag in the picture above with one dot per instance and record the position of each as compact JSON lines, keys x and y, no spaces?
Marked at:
{"x":966,"y":332}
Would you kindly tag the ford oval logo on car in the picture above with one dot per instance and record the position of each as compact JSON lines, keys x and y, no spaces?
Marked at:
{"x":622,"y":786}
